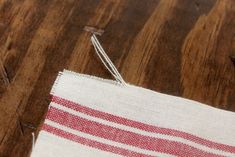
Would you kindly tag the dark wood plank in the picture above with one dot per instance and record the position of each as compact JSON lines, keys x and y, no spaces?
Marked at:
{"x":177,"y":47}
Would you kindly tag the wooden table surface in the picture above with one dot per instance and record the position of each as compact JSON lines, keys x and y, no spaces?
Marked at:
{"x":178,"y":47}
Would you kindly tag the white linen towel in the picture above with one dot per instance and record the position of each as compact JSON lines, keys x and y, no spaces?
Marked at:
{"x":89,"y":116}
{"x":94,"y":117}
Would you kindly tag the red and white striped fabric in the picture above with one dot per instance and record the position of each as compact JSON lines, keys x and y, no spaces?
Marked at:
{"x":93,"y":117}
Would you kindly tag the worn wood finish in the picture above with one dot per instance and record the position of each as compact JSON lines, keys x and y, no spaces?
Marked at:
{"x":178,"y":47}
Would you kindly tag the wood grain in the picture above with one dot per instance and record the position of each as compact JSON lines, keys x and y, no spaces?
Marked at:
{"x":178,"y":47}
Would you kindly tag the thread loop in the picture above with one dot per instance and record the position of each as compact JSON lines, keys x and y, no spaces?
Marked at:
{"x":105,"y":60}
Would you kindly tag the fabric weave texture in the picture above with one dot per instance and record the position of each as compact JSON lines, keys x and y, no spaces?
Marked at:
{"x":94,"y":117}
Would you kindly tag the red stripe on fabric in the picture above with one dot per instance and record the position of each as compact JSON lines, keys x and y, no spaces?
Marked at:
{"x":142,"y":126}
{"x":123,"y":136}
{"x":92,"y":143}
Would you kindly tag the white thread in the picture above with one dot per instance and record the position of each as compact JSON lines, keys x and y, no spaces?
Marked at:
{"x":33,"y":143}
{"x":33,"y":140}
{"x":105,"y":60}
